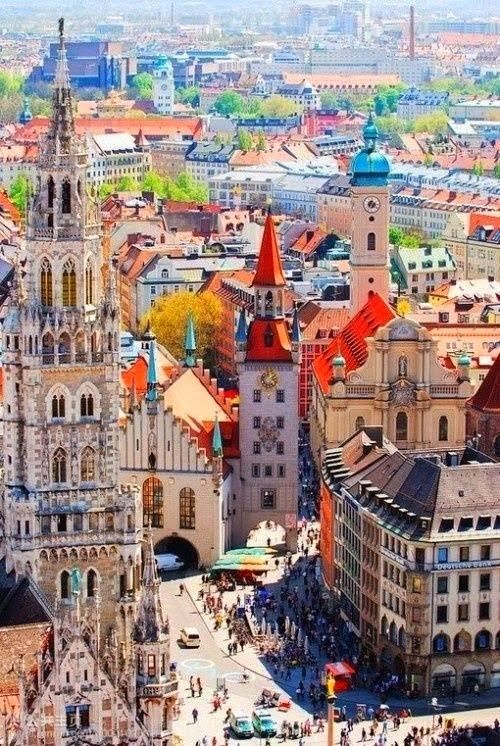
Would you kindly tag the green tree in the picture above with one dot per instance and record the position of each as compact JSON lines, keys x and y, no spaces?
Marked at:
{"x":478,"y":168}
{"x":380,"y":105}
{"x":154,"y":182}
{"x":279,"y":106}
{"x":436,"y":123}
{"x":105,"y":190}
{"x":10,"y":83}
{"x":496,"y":170}
{"x":391,"y":95}
{"x":329,"y":100}
{"x":189,"y":96}
{"x":229,"y":102}
{"x":142,"y":84}
{"x":408,"y":239}
{"x":19,"y":192}
{"x":126,"y":184}
{"x":40,"y":107}
{"x":261,"y":141}
{"x":244,"y":140}
{"x":168,"y":319}
{"x":391,"y":125}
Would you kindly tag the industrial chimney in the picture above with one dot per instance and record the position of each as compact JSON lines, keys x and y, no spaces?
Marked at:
{"x":412,"y":32}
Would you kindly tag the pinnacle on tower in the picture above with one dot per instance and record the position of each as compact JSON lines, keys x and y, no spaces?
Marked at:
{"x":269,"y":270}
{"x":241,"y":329}
{"x":152,"y":381}
{"x":190,"y":343}
{"x":150,"y":626}
{"x":217,"y":439}
{"x":62,"y":126}
{"x":296,"y":336}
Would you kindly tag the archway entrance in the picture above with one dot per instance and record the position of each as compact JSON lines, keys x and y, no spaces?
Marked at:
{"x":267,"y":534}
{"x":182,"y":548}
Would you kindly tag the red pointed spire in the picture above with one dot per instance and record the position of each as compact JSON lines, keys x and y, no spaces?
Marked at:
{"x":269,"y":270}
{"x":487,"y":397}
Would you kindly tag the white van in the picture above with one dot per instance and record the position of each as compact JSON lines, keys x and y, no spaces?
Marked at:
{"x":168,"y":562}
{"x":190,"y":637}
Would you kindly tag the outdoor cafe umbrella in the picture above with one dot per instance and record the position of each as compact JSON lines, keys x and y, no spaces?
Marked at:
{"x":287,"y":626}
{"x":293,"y":631}
{"x":256,"y":551}
{"x":306,"y":645}
{"x":299,"y":637}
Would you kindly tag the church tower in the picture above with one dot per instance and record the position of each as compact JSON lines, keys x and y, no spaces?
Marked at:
{"x":62,"y":507}
{"x":268,"y":366}
{"x":370,"y":222}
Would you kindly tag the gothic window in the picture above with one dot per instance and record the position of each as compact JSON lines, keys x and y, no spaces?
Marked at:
{"x":91,"y":583}
{"x":51,"y":192}
{"x":86,"y":405}
{"x":443,"y":428}
{"x":152,"y":502}
{"x":69,"y":284}
{"x":89,"y":287}
{"x":66,"y":197}
{"x":268,"y":303}
{"x":87,"y":465}
{"x":46,"y":283}
{"x":58,"y":406}
{"x":64,"y":348}
{"x":360,"y":423}
{"x":64,"y":584}
{"x":59,"y":466}
{"x":401,"y":426}
{"x":371,"y":242}
{"x":187,"y":508}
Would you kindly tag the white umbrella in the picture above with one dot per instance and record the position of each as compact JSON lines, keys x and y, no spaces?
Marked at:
{"x":293,"y":631}
{"x":306,"y":645}
{"x":276,"y":633}
{"x":287,"y":626}
{"x":299,"y":637}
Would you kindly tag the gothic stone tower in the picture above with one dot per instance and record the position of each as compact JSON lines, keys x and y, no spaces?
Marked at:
{"x":370,"y":222}
{"x":62,"y":506}
{"x":268,"y":366}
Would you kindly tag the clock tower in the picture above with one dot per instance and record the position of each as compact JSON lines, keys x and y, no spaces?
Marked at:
{"x":370,"y":221}
{"x":268,"y":366}
{"x":163,"y":87}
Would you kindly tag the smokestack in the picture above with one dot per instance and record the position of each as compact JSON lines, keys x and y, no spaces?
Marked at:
{"x":412,"y":32}
{"x":171,"y":14}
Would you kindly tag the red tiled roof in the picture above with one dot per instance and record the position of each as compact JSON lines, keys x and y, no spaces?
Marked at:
{"x":136,"y":375}
{"x":151,"y":127}
{"x":478,"y":219}
{"x":309,"y":241}
{"x":487,"y":397}
{"x":8,"y":208}
{"x":351,"y":342}
{"x":280,"y":347}
{"x":269,"y":270}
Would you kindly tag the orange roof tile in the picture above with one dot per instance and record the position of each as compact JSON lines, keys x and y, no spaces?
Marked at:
{"x":8,"y":207}
{"x":269,"y":271}
{"x":351,"y":342}
{"x":275,"y":333}
{"x":331,"y":80}
{"x":487,"y":397}
{"x":151,"y":126}
{"x":307,"y":243}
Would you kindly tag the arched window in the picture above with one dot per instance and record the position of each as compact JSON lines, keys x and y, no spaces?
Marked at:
{"x":462,"y":642}
{"x":441,"y":643}
{"x":69,"y":284}
{"x":371,"y":242}
{"x":59,"y":466}
{"x":402,"y":638}
{"x":87,"y":465}
{"x":443,"y":428}
{"x":89,"y":283}
{"x":91,"y":583}
{"x":51,"y":192}
{"x":66,"y":197}
{"x":86,"y":405}
{"x":187,"y":508}
{"x":64,"y":584}
{"x":401,"y":426}
{"x":58,"y":406}
{"x":360,"y":423}
{"x":46,"y":283}
{"x":152,"y":502}
{"x":64,"y":348}
{"x":483,"y":640}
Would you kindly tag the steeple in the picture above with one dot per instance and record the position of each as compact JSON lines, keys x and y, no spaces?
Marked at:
{"x":190,"y":343}
{"x":62,"y":126}
{"x":152,"y":380}
{"x":241,"y":329}
{"x":150,"y":625}
{"x":217,"y":439}
{"x":296,"y":336}
{"x":269,"y":270}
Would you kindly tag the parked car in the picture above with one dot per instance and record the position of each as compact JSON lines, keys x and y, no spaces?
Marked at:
{"x":168,"y":562}
{"x":264,"y":724}
{"x":190,"y":637}
{"x":241,"y":725}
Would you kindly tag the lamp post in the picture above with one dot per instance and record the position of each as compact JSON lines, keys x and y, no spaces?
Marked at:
{"x":331,"y":720}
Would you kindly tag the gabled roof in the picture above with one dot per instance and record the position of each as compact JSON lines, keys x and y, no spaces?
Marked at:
{"x":487,"y":397}
{"x":351,"y":342}
{"x":269,"y":270}
{"x":275,"y":333}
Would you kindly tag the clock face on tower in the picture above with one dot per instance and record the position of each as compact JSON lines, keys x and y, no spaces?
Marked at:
{"x":371,"y":204}
{"x":269,"y":379}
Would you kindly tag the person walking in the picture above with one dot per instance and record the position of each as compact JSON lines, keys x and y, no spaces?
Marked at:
{"x":200,"y":688}
{"x":195,"y":715}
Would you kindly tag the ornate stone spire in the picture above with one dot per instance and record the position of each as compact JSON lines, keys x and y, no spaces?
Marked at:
{"x":217,"y":439}
{"x":62,"y":126}
{"x":150,"y":625}
{"x":152,"y":392}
